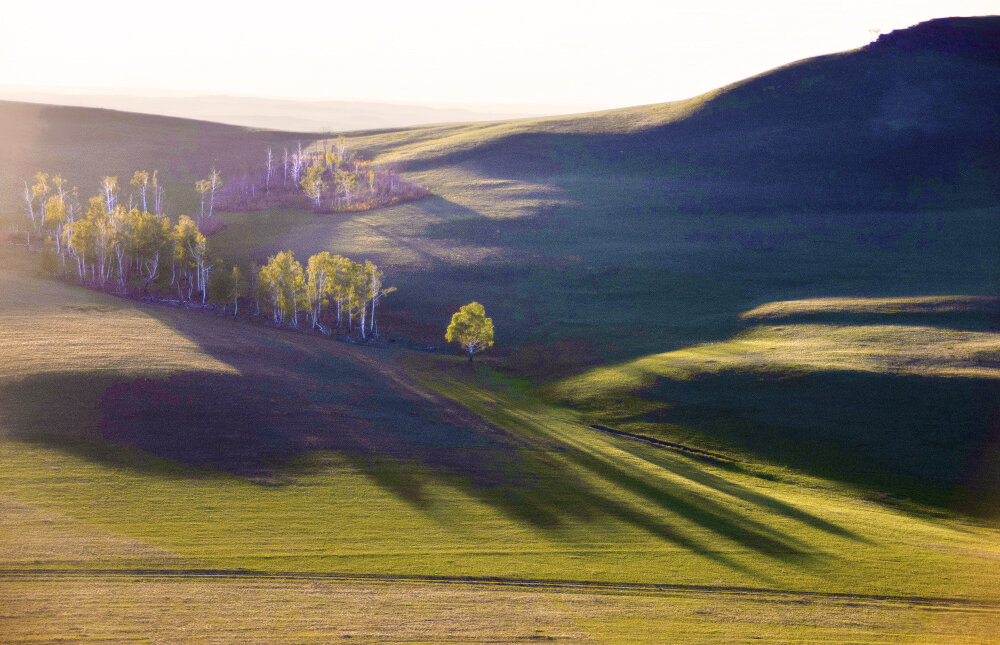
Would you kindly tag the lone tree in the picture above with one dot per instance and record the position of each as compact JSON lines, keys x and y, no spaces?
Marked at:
{"x":471,"y":329}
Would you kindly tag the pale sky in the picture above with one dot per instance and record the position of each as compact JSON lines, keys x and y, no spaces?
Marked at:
{"x":608,"y":53}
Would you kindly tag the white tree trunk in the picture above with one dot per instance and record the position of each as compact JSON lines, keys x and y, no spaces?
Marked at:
{"x":268,"y":180}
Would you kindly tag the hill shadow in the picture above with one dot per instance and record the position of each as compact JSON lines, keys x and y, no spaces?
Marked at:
{"x":934,"y":440}
{"x":882,"y":127}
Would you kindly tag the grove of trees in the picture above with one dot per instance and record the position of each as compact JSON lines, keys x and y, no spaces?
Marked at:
{"x":132,"y":250}
{"x":333,"y":180}
{"x":330,"y":288}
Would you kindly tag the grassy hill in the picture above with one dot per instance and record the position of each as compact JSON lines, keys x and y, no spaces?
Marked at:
{"x":898,"y":395}
{"x":796,"y":274}
{"x":85,"y":144}
{"x":904,"y":122}
{"x":868,"y":173}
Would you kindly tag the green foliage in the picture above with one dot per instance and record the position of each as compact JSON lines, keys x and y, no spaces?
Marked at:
{"x":283,"y":281}
{"x":188,"y":241}
{"x":55,"y":212}
{"x":129,"y":245}
{"x":471,"y":329}
{"x":41,"y":186}
{"x":313,"y":183}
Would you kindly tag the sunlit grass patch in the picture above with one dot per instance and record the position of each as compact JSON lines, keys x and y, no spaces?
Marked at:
{"x":414,"y":144}
{"x":791,"y":349}
{"x":903,"y":305}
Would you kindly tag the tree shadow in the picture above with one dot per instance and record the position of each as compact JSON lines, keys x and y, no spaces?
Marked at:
{"x":298,"y":395}
{"x":685,"y":468}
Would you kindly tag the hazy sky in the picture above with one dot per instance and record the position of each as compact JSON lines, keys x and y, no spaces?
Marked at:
{"x":609,"y":53}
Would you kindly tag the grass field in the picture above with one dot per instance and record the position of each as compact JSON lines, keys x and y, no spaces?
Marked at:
{"x":897,"y":394}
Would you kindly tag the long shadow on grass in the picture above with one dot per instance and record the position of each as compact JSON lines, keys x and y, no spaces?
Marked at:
{"x":298,"y":397}
{"x":700,"y":510}
{"x":685,"y":468}
{"x":265,"y":428}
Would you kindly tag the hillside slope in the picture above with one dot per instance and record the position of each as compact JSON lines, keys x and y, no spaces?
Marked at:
{"x":85,"y":144}
{"x":908,"y":121}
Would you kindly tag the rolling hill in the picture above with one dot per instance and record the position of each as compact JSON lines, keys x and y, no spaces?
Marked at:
{"x":302,"y":115}
{"x":85,"y":144}
{"x":672,"y":219}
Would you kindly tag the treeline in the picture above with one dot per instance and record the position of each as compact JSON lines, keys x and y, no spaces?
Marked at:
{"x":114,"y":245}
{"x":331,"y":181}
{"x":330,"y":290}
{"x":133,"y":250}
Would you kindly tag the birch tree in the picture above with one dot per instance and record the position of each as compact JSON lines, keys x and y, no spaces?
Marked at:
{"x":346,"y":180}
{"x":298,"y":160}
{"x":237,"y":286}
{"x":341,"y":148}
{"x":79,"y":238}
{"x":29,"y":199}
{"x":267,"y":181}
{"x":55,"y":217}
{"x":189,"y":253}
{"x":202,"y":186}
{"x":154,"y":242}
{"x":320,"y":271}
{"x":471,"y":329}
{"x":37,"y":194}
{"x":109,"y":187}
{"x":283,"y":280}
{"x":377,"y":292}
{"x":215,"y":183}
{"x":141,"y":181}
{"x":157,"y":195}
{"x":312,"y":182}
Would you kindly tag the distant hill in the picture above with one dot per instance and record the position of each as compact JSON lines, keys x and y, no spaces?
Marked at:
{"x":910,"y":120}
{"x":85,"y":144}
{"x":301,"y":115}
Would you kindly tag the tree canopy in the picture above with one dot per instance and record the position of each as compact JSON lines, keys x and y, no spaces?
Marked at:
{"x":471,"y":329}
